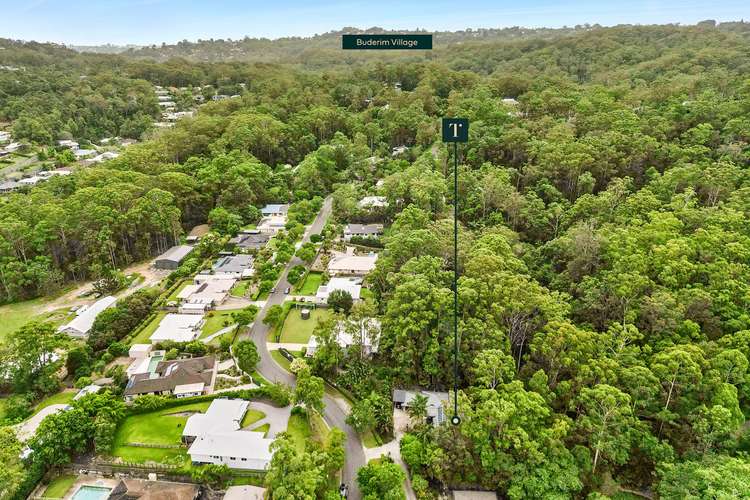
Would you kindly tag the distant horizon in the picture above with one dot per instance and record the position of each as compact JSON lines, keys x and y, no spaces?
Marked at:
{"x":157,"y":22}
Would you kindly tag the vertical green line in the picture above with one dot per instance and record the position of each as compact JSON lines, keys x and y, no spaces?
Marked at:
{"x":455,"y":283}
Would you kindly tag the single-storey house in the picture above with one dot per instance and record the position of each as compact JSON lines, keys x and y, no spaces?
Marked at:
{"x":362,"y":231}
{"x":349,"y":332}
{"x":178,"y":328}
{"x":436,"y":402}
{"x":81,"y":325}
{"x":352,"y":265}
{"x":215,"y":437}
{"x":351,"y":285}
{"x":275,"y":210}
{"x":172,"y":258}
{"x":250,"y":240}
{"x":236,"y":266}
{"x":208,"y":290}
{"x":373,"y":202}
{"x":4,"y":136}
{"x":171,"y":377}
{"x":272,"y":224}
{"x":80,"y":154}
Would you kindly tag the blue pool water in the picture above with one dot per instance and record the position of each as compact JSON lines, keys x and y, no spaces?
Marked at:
{"x":92,"y":493}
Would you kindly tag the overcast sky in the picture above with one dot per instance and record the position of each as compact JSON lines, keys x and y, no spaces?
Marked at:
{"x":142,"y":22}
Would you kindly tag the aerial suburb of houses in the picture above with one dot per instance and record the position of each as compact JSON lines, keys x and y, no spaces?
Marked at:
{"x":308,"y":250}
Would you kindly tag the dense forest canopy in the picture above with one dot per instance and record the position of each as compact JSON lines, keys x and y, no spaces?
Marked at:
{"x":605,"y":242}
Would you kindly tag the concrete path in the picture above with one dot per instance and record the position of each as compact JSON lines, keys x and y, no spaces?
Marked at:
{"x":276,"y":418}
{"x":26,"y":429}
{"x":237,"y":388}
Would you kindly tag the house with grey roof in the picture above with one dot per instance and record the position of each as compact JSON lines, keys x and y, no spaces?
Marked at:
{"x":402,"y":399}
{"x":179,"y":378}
{"x":172,"y":258}
{"x":362,"y":231}
{"x":250,"y":240}
{"x":236,"y":266}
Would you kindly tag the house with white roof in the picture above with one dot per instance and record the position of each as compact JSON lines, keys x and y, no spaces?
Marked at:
{"x":365,"y":333}
{"x":4,"y":136}
{"x":31,"y":181}
{"x":373,"y":202}
{"x":178,"y":328}
{"x":206,"y":291}
{"x":352,"y":265}
{"x":9,"y":186}
{"x":68,"y":144}
{"x":215,"y":437}
{"x":81,"y":154}
{"x":81,"y":325}
{"x":272,"y":224}
{"x":351,"y":285}
{"x":12,"y":147}
{"x":275,"y":210}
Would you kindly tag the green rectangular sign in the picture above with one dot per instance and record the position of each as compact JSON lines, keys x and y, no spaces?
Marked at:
{"x":455,"y":130}
{"x":386,"y":42}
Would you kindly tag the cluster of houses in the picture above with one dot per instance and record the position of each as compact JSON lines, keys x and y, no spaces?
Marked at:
{"x":10,"y":186}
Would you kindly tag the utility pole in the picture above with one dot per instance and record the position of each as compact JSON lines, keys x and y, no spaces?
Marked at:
{"x":455,"y":130}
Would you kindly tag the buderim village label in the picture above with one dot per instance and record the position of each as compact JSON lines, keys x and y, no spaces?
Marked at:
{"x":386,"y":42}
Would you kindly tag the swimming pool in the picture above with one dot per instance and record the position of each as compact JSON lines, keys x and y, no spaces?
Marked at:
{"x":92,"y":493}
{"x":154,"y":361}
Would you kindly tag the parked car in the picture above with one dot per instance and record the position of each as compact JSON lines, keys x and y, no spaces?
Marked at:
{"x":287,"y":290}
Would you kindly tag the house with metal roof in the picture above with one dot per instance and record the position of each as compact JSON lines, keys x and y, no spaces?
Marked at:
{"x":236,"y":266}
{"x":178,"y":328}
{"x":81,"y":325}
{"x":362,"y":231}
{"x":249,"y":240}
{"x":436,"y":402}
{"x":353,"y":286}
{"x":275,"y":210}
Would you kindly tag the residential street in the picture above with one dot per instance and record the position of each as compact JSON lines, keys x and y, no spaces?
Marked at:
{"x":334,"y":415}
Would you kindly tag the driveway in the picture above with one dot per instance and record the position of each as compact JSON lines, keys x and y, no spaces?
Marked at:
{"x":26,"y":429}
{"x":276,"y":418}
{"x":334,"y":415}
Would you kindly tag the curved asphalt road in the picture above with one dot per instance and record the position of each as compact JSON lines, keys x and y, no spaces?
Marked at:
{"x":333,"y":414}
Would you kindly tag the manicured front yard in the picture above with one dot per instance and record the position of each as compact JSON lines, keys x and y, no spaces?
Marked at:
{"x":216,"y":321}
{"x":59,"y":486}
{"x":63,"y":398}
{"x":144,"y":335}
{"x":159,"y":427}
{"x":297,"y":330}
{"x":262,"y":428}
{"x":240,"y":288}
{"x":311,"y":283}
{"x":176,"y":292}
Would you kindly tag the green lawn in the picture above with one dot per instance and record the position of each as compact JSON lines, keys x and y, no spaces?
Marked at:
{"x":144,"y":335}
{"x":311,"y":283}
{"x":300,"y":431}
{"x":240,"y":288}
{"x":298,"y":331}
{"x":159,"y":427}
{"x":370,"y":440}
{"x":216,"y":320}
{"x":281,"y":360}
{"x":59,"y":486}
{"x":63,"y":397}
{"x":16,"y":315}
{"x":251,"y":417}
{"x":262,"y":428}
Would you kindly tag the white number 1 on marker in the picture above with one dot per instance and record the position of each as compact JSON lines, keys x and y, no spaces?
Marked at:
{"x":455,"y":128}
